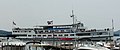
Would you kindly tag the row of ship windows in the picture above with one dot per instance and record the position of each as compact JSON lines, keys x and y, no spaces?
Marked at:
{"x":51,"y":31}
{"x":46,"y":31}
{"x":21,"y":31}
{"x":86,"y":34}
{"x":83,"y":34}
{"x":51,"y":35}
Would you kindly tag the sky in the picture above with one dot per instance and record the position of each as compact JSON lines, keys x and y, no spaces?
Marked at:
{"x":28,"y":13}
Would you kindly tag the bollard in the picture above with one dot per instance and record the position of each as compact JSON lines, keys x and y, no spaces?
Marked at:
{"x":69,"y":46}
{"x":59,"y":44}
{"x":15,"y":47}
{"x":2,"y":46}
{"x":19,"y":47}
{"x":11,"y":46}
{"x":29,"y":48}
{"x":64,"y":45}
{"x":6,"y":46}
{"x":56,"y":44}
{"x":119,"y":45}
{"x":36,"y":47}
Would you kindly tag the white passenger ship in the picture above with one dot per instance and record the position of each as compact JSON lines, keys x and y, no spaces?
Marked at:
{"x":71,"y":31}
{"x":62,"y":31}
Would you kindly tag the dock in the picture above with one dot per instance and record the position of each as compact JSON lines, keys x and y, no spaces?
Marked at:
{"x":47,"y":47}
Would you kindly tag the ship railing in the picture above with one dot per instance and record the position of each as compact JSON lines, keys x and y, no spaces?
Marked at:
{"x":94,"y":30}
{"x":101,"y":36}
{"x":27,"y":28}
{"x":82,"y":27}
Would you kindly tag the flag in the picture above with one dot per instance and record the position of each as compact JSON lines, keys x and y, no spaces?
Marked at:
{"x":14,"y":23}
{"x":50,"y":22}
{"x":72,"y":14}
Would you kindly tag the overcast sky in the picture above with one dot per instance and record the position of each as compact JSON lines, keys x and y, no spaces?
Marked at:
{"x":28,"y":13}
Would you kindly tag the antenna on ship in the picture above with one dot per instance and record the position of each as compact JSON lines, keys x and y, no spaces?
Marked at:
{"x":112,"y":27}
{"x":112,"y":30}
{"x":73,"y":16}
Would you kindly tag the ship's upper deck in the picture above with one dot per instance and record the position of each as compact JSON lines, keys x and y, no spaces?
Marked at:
{"x":78,"y":27}
{"x":53,"y":25}
{"x":69,"y":26}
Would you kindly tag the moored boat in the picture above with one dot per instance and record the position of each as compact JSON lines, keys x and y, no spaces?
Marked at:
{"x":74,"y":31}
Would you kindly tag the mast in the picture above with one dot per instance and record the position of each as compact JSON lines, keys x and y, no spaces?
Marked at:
{"x":73,"y":16}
